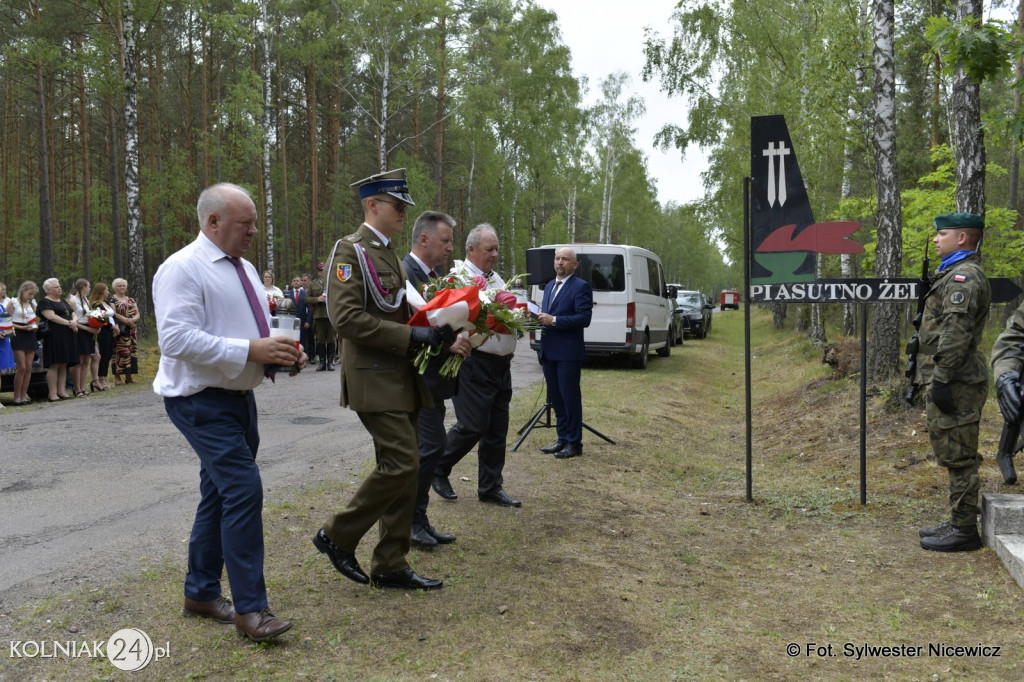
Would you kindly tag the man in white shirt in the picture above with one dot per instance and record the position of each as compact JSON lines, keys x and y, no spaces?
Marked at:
{"x":485,"y":391}
{"x":214,"y":345}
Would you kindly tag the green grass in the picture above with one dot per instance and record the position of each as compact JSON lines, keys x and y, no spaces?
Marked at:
{"x":638,"y":561}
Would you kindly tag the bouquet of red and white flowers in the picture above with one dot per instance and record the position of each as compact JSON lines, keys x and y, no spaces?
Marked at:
{"x":96,"y":318}
{"x":462,"y":300}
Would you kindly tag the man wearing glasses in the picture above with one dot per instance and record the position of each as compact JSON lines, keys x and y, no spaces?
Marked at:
{"x":367,"y":308}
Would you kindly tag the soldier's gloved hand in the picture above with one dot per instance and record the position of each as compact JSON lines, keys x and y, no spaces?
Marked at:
{"x":428,"y":336}
{"x":943,"y":397}
{"x":1008,"y":394}
{"x":448,"y":336}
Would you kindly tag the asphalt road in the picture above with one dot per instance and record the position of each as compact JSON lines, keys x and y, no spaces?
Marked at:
{"x":91,"y":487}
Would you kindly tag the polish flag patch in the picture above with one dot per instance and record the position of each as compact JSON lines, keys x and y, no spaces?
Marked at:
{"x":959,"y":278}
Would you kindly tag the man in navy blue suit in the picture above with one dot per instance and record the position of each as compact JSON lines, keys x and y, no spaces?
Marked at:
{"x":566,"y":309}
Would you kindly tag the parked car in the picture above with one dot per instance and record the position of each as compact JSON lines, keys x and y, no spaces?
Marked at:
{"x":695,"y":310}
{"x":631,"y":307}
{"x":676,"y":331}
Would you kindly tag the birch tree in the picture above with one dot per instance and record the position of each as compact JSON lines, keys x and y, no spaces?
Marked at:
{"x":268,"y":133}
{"x":884,"y":346}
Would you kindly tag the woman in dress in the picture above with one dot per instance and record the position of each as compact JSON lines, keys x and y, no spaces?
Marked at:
{"x":126,"y":350}
{"x":274,"y":294}
{"x":6,"y":332}
{"x":25,"y":323}
{"x":59,"y":350}
{"x":85,"y":339}
{"x":106,"y":336}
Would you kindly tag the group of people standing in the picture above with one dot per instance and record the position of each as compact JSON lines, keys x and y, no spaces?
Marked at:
{"x":310,"y":303}
{"x":214,"y":355}
{"x":84,"y":336}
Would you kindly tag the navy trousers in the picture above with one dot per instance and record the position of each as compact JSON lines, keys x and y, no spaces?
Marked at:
{"x":228,"y":527}
{"x":563,"y":380}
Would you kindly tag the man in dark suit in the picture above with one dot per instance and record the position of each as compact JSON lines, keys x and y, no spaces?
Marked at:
{"x":367,"y":308}
{"x":298,"y":296}
{"x":566,"y":309}
{"x":431,"y":247}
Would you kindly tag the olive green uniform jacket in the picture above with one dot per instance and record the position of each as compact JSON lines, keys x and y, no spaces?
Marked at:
{"x":376,"y":372}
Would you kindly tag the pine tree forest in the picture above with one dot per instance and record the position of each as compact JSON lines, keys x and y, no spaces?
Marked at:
{"x":116,"y":113}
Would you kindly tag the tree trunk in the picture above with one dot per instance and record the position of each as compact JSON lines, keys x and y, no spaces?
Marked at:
{"x":45,"y":220}
{"x":114,"y":183}
{"x":884,"y":346}
{"x":282,"y":136}
{"x":313,"y":170}
{"x":86,"y":175}
{"x":136,"y":255}
{"x":268,"y":137}
{"x":382,"y":123}
{"x":442,"y":73}
{"x":967,"y":134}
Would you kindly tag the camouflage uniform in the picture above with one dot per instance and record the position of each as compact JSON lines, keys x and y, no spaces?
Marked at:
{"x":1008,"y":350}
{"x":951,"y":329}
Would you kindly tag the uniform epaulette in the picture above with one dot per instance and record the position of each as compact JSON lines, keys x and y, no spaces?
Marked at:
{"x":354,"y":237}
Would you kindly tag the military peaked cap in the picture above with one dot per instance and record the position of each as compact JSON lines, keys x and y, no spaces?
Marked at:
{"x":391,"y":183}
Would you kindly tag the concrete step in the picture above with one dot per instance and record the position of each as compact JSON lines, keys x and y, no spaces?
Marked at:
{"x":1002,"y":529}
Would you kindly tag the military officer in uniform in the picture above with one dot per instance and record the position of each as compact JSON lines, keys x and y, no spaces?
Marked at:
{"x":367,"y":307}
{"x":955,"y":374}
{"x":316,"y":299}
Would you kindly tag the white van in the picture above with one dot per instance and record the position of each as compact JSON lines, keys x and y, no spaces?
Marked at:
{"x":631,"y":310}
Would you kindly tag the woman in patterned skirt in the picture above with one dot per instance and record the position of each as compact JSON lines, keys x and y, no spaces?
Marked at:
{"x":126,"y":351}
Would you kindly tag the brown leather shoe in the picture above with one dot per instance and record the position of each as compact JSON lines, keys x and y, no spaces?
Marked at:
{"x":219,"y":609}
{"x":259,"y":626}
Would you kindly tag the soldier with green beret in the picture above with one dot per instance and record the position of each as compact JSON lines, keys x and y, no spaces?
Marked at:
{"x":955,"y":374}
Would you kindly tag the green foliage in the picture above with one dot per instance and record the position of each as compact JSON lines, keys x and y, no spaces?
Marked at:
{"x":982,"y":51}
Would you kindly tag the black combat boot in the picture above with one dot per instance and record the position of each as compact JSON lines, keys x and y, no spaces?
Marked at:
{"x":954,"y":539}
{"x":331,"y":352}
{"x":321,"y":350}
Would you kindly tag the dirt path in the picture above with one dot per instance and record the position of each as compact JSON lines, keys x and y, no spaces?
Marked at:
{"x":90,"y":487}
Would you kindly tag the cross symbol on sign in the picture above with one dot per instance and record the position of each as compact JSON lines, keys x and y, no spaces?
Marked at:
{"x":776,"y":190}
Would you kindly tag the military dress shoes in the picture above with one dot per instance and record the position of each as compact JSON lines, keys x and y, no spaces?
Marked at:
{"x":343,"y":560}
{"x":954,"y":539}
{"x":421,"y":537}
{"x":553,"y":448}
{"x":219,"y":610}
{"x":443,"y":487}
{"x":441,"y":538}
{"x":499,"y":497}
{"x":259,"y":626}
{"x":570,"y":450}
{"x":934,"y":530}
{"x":405,"y":579}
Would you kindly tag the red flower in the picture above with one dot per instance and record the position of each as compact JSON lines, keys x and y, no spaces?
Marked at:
{"x":505,"y":297}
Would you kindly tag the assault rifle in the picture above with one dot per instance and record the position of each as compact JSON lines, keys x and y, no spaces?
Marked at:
{"x":1009,"y":443}
{"x":914,"y":345}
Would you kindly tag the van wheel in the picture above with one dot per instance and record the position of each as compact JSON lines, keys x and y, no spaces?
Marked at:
{"x":640,"y":360}
{"x":665,"y":350}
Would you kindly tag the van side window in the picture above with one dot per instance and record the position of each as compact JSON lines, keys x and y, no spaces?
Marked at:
{"x":604,"y":271}
{"x":647,"y":276}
